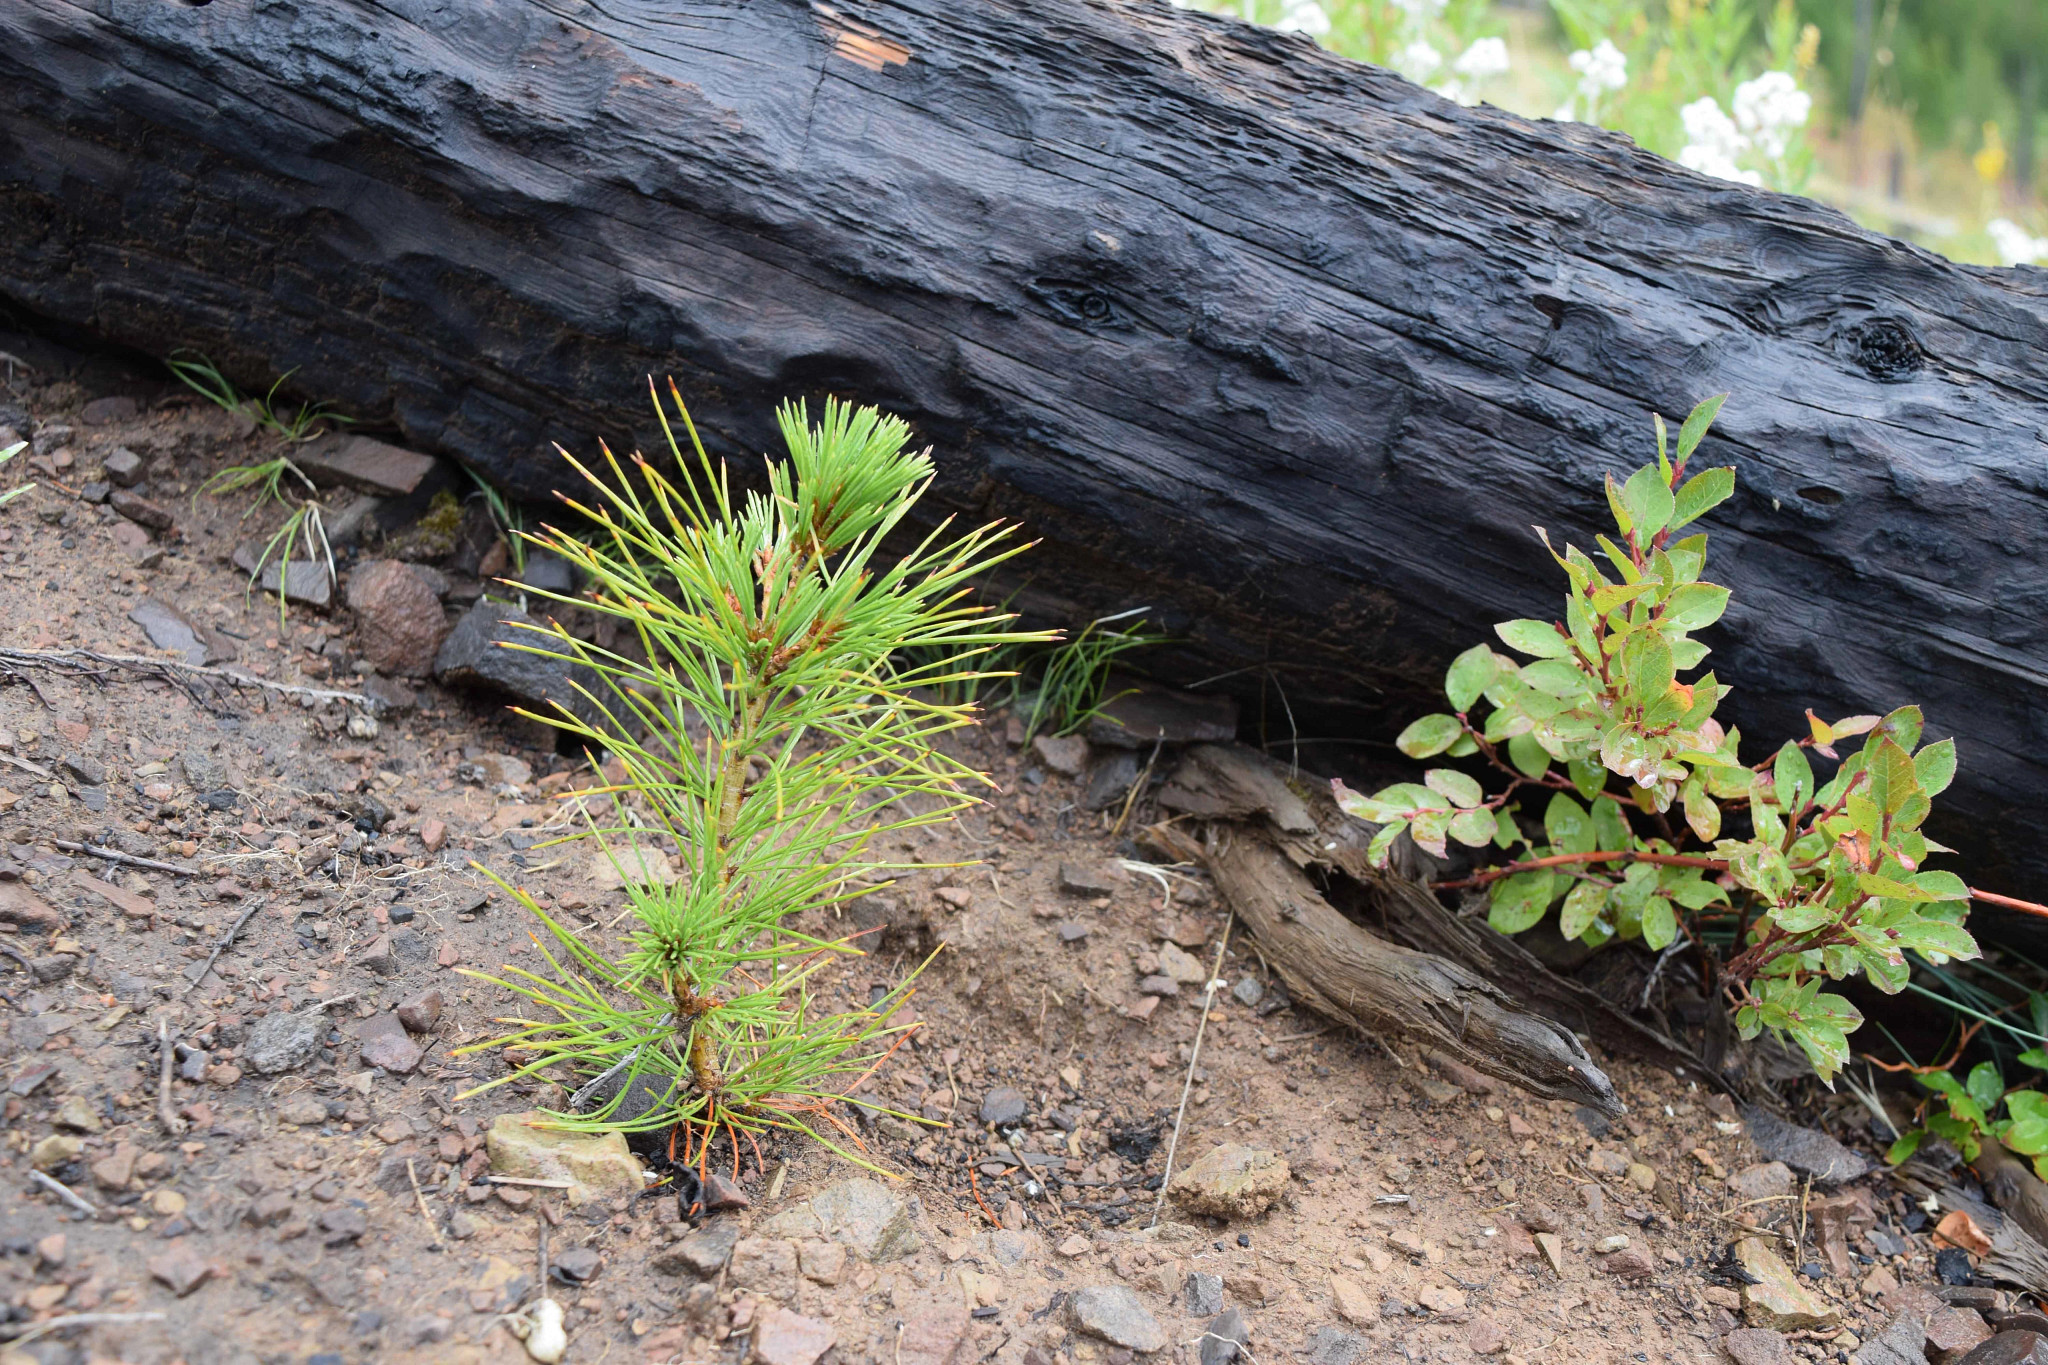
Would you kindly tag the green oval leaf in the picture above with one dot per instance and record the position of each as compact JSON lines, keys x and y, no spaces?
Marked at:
{"x":1461,"y":790}
{"x":1581,"y":907}
{"x":1429,"y":736}
{"x":1539,"y":639}
{"x":1519,"y":901}
{"x":1935,"y":766}
{"x":1470,"y":674}
{"x":1474,"y":828}
{"x":1660,"y":924}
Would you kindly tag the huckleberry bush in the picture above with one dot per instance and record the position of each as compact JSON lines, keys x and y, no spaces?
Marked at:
{"x":1653,"y":826}
{"x":764,"y":723}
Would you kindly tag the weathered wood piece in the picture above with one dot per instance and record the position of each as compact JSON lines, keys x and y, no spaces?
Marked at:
{"x":1278,"y":344}
{"x":1342,"y":970}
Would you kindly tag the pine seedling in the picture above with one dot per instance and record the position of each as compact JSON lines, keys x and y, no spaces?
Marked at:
{"x":762,"y":727}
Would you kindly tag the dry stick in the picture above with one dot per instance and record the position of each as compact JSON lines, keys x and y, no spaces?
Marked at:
{"x":43,"y":1329}
{"x":63,"y":1192}
{"x":433,"y":1231}
{"x":74,"y":656}
{"x":225,"y":939}
{"x":38,"y":769}
{"x":114,"y":855}
{"x":166,"y":1114}
{"x":1194,"y":1056}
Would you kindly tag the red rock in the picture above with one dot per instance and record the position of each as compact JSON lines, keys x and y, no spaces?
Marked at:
{"x":1487,"y":1338}
{"x":931,"y":1333}
{"x":433,"y":834}
{"x":386,"y":1044}
{"x":399,"y":622}
{"x":449,"y":955}
{"x":140,"y":510}
{"x":1630,"y":1264}
{"x":181,"y":1268}
{"x":421,"y":1012}
{"x":785,"y":1338}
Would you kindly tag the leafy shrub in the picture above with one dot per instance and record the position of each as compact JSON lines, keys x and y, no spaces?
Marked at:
{"x":1966,"y":1109}
{"x":1790,"y":879}
{"x":763,"y":731}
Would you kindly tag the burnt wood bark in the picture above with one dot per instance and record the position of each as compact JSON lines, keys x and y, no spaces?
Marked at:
{"x":1276,"y":343}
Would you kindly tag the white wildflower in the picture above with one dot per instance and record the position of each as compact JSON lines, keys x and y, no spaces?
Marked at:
{"x":2016,"y":246}
{"x":1420,"y":11}
{"x":1417,"y":60}
{"x":1769,"y":108}
{"x":1603,"y":69}
{"x":1713,"y":142}
{"x":1454,"y":91}
{"x":1483,"y":60}
{"x":1303,"y":16}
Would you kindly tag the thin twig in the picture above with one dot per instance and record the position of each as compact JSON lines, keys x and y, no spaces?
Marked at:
{"x":63,"y":1192}
{"x":433,"y":1232}
{"x":166,"y":1112}
{"x":1194,"y":1056}
{"x":2010,"y":903}
{"x":114,"y":855}
{"x":1658,"y":970}
{"x":74,"y":657}
{"x":29,"y":1332}
{"x":225,"y":939}
{"x":38,"y":769}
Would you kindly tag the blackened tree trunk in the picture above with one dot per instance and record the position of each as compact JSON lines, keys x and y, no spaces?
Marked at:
{"x":1282,"y":346}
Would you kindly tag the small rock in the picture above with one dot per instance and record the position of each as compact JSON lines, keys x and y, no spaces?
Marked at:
{"x":1607,"y":1245}
{"x":421,"y":1012}
{"x":785,"y":1338}
{"x":766,"y":1265}
{"x":124,"y":467}
{"x":303,"y":1109}
{"x":1230,"y":1182}
{"x":54,"y":1150}
{"x":433,"y":834}
{"x":343,"y":1225}
{"x":1181,"y":966}
{"x":1765,"y":1180}
{"x":1552,"y":1249}
{"x":399,"y":622}
{"x":50,"y":1251}
{"x":1593,"y":1121}
{"x":598,"y":1165}
{"x":471,"y":657}
{"x":169,"y":628}
{"x":1953,"y":1333}
{"x":1439,"y":1298}
{"x":1354,"y":1303}
{"x":270,"y":1209}
{"x":362,"y":463}
{"x":1114,"y":1314}
{"x":1805,"y":1150}
{"x":1203,"y":1294}
{"x":822,"y":1262}
{"x":720,"y":1195}
{"x":1066,"y":755}
{"x":703,"y":1253}
{"x":1248,"y":990}
{"x":1334,"y":1346}
{"x":1629,"y":1265}
{"x":379,"y":956}
{"x":181,"y":1268}
{"x":1756,"y":1346}
{"x":140,"y":510}
{"x":114,"y":408}
{"x":932,"y":1332}
{"x":167,"y":1203}
{"x":1164,"y":987}
{"x":282,"y":1041}
{"x":1487,"y":1337}
{"x":1079,"y":880}
{"x":1777,"y":1300}
{"x":1642,"y":1177}
{"x":77,"y":1114}
{"x":1110,"y":776}
{"x":1879,"y":1283}
{"x":576,"y":1265}
{"x":1903,"y":1342}
{"x":386,"y":1044}
{"x":1004,"y":1107}
{"x":1226,"y":1340}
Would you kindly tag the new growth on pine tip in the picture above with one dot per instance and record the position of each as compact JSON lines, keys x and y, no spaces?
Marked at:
{"x":754,"y":722}
{"x":1779,"y":878}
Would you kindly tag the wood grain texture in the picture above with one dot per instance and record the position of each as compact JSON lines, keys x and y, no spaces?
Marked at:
{"x":1274,"y":342}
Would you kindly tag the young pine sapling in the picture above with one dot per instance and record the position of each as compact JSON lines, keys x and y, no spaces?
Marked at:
{"x":764,"y":729}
